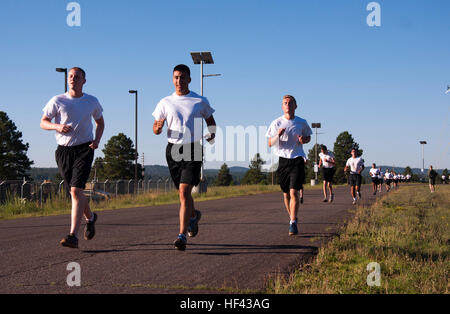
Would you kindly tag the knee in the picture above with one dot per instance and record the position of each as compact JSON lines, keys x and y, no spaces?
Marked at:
{"x":76,"y":193}
{"x":184,"y":193}
{"x":294,"y":194}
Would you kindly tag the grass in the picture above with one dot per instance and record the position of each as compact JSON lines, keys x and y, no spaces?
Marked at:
{"x":406,"y":232}
{"x":16,"y":208}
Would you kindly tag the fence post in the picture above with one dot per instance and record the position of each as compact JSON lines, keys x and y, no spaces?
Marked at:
{"x":157,"y":185}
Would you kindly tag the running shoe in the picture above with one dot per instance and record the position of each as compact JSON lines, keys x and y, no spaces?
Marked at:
{"x":89,"y":229}
{"x":331,"y":198}
{"x":193,"y":224}
{"x":325,"y":200}
{"x":180,"y":242}
{"x":293,"y":230}
{"x":359,"y":195}
{"x":354,"y":202}
{"x":70,"y":241}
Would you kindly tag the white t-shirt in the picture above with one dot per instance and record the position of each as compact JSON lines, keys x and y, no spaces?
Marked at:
{"x":388,"y":176}
{"x":288,"y":145}
{"x":374,"y":172}
{"x":326,"y":158}
{"x":408,"y":176}
{"x":355,"y":164}
{"x":184,"y":115}
{"x":76,"y":112}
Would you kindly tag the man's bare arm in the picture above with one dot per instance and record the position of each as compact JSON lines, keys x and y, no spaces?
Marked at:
{"x":100,"y":127}
{"x":158,"y":126}
{"x":46,"y":124}
{"x":211,"y":123}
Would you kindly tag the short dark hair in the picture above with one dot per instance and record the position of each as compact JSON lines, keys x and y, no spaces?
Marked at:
{"x":182,"y":68}
{"x":291,"y":98}
{"x":79,"y":69}
{"x":323,"y":147}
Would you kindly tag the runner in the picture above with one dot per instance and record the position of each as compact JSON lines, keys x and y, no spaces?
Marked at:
{"x":183,"y":112}
{"x":73,"y":113}
{"x":374,"y":173}
{"x":388,"y":180}
{"x":287,"y":134}
{"x":327,"y":163}
{"x":356,"y":165}
{"x":395,"y":179}
{"x":432,"y":178}
{"x":408,"y":178}
{"x":380,"y":180}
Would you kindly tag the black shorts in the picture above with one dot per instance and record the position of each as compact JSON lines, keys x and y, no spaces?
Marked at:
{"x":291,"y":173}
{"x":74,"y":164}
{"x":328,"y":174}
{"x":432,"y":181}
{"x":354,"y":179}
{"x":388,"y":181}
{"x":375,"y":181}
{"x":184,"y":166}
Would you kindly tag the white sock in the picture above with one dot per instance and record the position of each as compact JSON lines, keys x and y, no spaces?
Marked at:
{"x":293,"y":222}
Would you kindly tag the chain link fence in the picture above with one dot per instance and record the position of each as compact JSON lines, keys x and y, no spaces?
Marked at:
{"x":95,"y":190}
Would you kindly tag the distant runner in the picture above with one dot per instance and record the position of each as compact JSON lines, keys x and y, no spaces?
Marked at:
{"x":374,"y":173}
{"x":327,"y":163}
{"x":356,"y":165}
{"x":432,"y":174}
{"x":287,"y":134}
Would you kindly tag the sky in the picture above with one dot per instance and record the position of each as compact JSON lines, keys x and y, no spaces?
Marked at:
{"x":384,"y":84}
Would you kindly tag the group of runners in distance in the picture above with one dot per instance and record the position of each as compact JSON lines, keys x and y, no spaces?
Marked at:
{"x":180,"y":112}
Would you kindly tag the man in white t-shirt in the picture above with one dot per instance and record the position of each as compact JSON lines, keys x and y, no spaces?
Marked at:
{"x":73,"y":113}
{"x":356,"y":165}
{"x":408,"y":178}
{"x":287,"y":134}
{"x":388,"y":180}
{"x":183,"y":112}
{"x":374,"y":173}
{"x":327,"y":163}
{"x":380,"y":180}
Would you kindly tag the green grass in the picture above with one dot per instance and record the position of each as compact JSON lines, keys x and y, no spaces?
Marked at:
{"x":16,"y":208}
{"x":407,"y":232}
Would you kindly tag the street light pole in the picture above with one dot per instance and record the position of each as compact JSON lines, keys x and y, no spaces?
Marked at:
{"x":423,"y":154}
{"x":135,"y":132}
{"x":63,"y":70}
{"x":316,"y":170}
{"x":201,"y":58}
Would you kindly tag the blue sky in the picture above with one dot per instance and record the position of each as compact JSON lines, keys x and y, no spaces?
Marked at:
{"x":385,"y":85}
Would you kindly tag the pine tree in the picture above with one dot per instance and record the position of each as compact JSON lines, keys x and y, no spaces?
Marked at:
{"x":408,"y":171}
{"x":255,"y":175}
{"x":342,"y":152}
{"x":224,"y":177}
{"x":14,"y":163}
{"x":119,"y":158}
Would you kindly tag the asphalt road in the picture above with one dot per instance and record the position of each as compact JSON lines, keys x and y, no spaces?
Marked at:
{"x":242,"y":243}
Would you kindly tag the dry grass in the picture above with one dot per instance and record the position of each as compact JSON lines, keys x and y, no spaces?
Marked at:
{"x":407,"y":233}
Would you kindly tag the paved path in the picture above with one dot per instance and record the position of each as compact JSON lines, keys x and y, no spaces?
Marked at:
{"x":242,"y":242}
